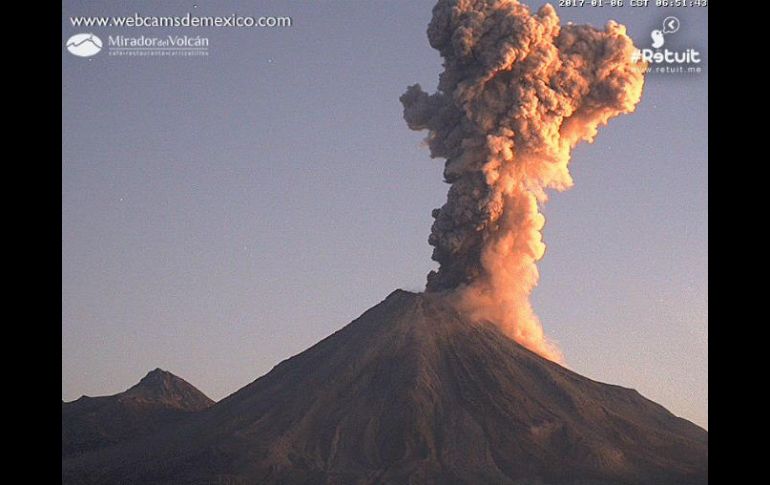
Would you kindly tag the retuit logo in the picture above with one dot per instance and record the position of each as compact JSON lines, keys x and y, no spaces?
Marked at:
{"x":656,"y":54}
{"x":84,"y":45}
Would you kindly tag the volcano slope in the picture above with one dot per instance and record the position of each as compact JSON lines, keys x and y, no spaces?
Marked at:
{"x":410,"y":392}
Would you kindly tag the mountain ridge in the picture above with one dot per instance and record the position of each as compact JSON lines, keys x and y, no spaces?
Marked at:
{"x":411,"y":392}
{"x":160,"y":398}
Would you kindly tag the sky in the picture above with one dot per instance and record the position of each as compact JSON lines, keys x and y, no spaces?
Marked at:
{"x":222,"y":213}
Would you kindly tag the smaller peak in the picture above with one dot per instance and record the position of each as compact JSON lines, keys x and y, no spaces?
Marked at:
{"x":158,"y":372}
{"x":157,"y":379}
{"x":161,"y":386}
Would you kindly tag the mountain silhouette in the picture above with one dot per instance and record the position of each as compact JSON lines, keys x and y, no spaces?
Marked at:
{"x":159,"y":399}
{"x":413,"y":393}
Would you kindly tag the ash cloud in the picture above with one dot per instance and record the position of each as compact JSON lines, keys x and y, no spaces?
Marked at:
{"x":517,"y":93}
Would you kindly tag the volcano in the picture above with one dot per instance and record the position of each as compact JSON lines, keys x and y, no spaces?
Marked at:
{"x":411,"y":392}
{"x":159,"y":399}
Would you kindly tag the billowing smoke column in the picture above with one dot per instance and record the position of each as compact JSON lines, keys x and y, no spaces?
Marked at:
{"x":518,"y":92}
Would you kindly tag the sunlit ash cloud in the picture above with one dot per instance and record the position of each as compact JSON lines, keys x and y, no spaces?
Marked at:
{"x":517,"y":93}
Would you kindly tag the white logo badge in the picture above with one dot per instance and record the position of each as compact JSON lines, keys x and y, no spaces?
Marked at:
{"x":664,"y":60}
{"x":657,"y":39}
{"x":84,"y":45}
{"x":670,"y":26}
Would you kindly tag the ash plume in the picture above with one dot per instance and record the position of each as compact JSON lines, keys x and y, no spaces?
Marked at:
{"x":518,"y":92}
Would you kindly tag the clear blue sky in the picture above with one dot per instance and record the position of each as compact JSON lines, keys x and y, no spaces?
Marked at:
{"x":223,"y":213}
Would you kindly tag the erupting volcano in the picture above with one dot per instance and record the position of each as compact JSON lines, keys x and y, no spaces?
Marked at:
{"x":518,"y":92}
{"x":457,"y":384}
